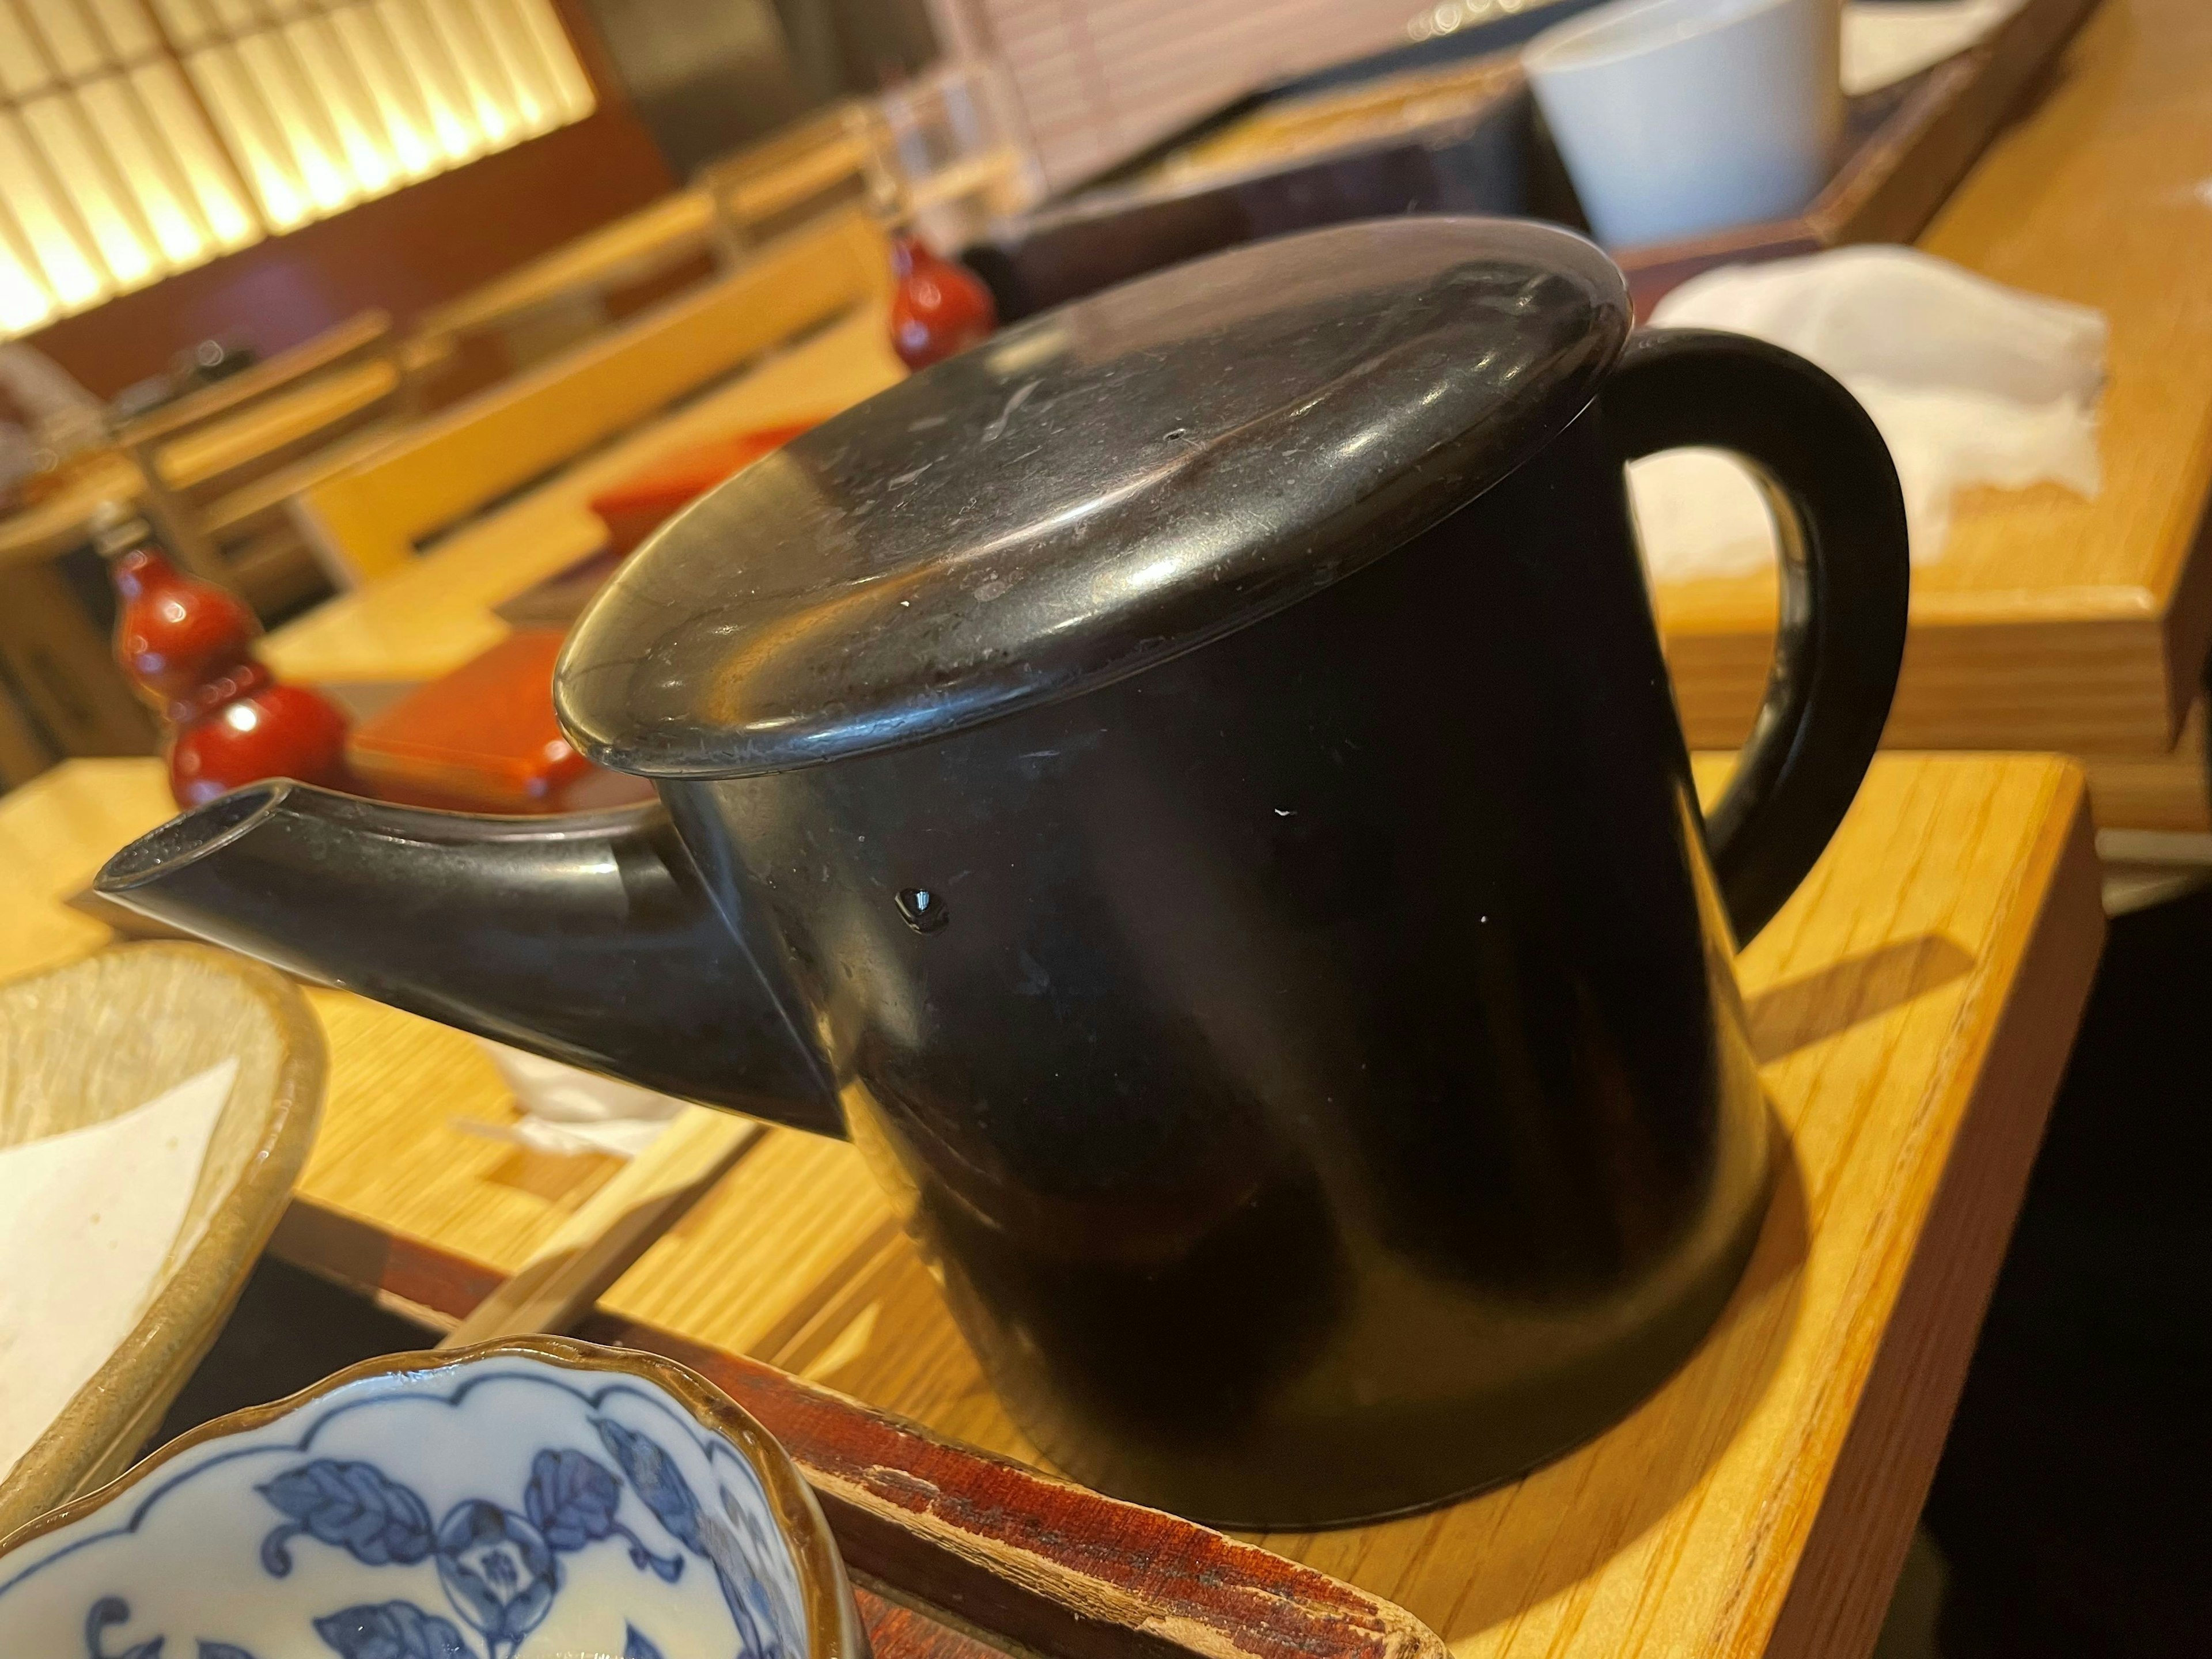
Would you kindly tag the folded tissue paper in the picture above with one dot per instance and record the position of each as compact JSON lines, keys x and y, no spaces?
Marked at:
{"x":1970,"y":382}
{"x":1886,"y":41}
{"x":566,"y":1109}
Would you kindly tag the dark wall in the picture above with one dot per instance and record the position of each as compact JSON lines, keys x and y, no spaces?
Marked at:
{"x":709,"y":76}
{"x":409,"y":251}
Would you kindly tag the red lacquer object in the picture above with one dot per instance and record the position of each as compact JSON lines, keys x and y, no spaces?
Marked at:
{"x":186,"y":646}
{"x":483,"y":738}
{"x":938,"y":308}
{"x":641,"y":503}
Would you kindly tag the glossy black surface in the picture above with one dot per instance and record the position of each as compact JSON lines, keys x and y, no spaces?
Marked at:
{"x":1314,"y":1063}
{"x":587,"y":937}
{"x":1091,"y":491}
{"x":1327,"y":1091}
{"x":1469,"y":163}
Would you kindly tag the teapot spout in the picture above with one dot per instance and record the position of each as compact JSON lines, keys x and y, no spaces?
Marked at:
{"x":588,"y":938}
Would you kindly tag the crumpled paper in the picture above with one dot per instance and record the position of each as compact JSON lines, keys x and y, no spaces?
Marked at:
{"x":1889,"y":40}
{"x":567,"y":1110}
{"x":1971,"y":383}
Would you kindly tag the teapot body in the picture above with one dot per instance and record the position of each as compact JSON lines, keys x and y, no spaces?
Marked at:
{"x":1313,"y":1064}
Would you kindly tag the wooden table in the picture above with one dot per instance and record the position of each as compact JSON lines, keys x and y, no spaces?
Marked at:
{"x":437,"y":613}
{"x":2050,"y":622}
{"x":1912,"y":1004}
{"x":61,"y":522}
{"x":57,"y":658}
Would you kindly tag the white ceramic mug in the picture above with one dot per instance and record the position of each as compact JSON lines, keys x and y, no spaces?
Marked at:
{"x":1679,"y":116}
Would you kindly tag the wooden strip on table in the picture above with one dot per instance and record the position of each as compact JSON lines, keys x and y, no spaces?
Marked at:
{"x":604,"y":1237}
{"x":1048,"y":1564}
{"x":413,"y":1141}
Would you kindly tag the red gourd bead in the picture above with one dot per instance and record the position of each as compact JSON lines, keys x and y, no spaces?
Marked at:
{"x":186,"y":646}
{"x":938,"y":308}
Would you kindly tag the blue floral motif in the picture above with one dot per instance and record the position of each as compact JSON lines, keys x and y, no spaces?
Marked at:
{"x":497,"y":1572}
{"x":114,"y":1610}
{"x":572,"y":1499}
{"x":669,"y":1495}
{"x":392,"y":1630}
{"x":500,"y":1567}
{"x":351,"y":1506}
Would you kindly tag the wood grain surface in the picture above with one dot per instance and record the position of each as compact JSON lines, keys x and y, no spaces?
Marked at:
{"x":1912,"y":1006}
{"x":2050,"y":622}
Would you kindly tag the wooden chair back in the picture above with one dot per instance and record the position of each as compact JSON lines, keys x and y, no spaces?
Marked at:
{"x":563,"y":298}
{"x":366,"y":520}
{"x":219,"y":462}
{"x":830,"y":159}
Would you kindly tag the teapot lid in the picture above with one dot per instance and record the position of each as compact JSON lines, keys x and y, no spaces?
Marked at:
{"x":1101,"y":486}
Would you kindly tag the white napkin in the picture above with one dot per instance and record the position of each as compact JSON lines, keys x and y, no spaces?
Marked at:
{"x":567,"y":1110}
{"x":1971,"y":383}
{"x":1889,"y":40}
{"x":87,"y":1219}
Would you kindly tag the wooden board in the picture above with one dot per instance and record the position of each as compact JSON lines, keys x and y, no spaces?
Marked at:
{"x":2050,"y":622}
{"x":1912,"y":1004}
{"x":631,"y":249}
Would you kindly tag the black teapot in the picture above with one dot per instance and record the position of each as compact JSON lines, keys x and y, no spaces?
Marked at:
{"x":1190,"y":787}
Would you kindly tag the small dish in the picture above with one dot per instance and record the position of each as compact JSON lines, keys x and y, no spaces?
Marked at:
{"x":84,"y":1044}
{"x":536,"y":1498}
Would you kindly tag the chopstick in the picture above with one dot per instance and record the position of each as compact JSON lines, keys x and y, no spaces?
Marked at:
{"x":565,"y":1275}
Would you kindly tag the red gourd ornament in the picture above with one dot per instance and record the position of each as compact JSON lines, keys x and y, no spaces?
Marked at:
{"x":938,"y":308}
{"x":186,"y":646}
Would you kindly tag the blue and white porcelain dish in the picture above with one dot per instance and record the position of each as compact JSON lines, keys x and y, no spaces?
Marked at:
{"x":536,"y":1498}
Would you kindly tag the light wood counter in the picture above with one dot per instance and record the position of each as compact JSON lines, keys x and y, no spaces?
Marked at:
{"x":2050,"y":622}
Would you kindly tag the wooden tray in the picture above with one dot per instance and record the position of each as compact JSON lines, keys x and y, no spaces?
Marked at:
{"x":1260,"y":169}
{"x":1909,"y":145}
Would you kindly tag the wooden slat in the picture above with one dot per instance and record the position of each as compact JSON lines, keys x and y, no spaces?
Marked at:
{"x":436,"y":613}
{"x":565,"y":1275}
{"x":205,"y":461}
{"x":358,"y":336}
{"x":365,"y":521}
{"x":662,"y":233}
{"x":61,"y":522}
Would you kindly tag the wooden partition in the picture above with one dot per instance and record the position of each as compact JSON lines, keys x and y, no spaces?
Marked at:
{"x":366,"y":522}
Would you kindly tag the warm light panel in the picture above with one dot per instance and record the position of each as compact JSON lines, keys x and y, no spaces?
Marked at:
{"x":140,"y":137}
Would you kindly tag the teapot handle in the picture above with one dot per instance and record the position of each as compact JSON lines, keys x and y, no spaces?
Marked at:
{"x":1846,"y":579}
